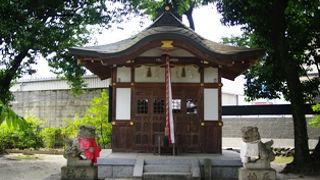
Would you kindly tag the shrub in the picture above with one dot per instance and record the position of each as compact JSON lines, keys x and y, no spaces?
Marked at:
{"x":96,"y":115}
{"x":52,"y":137}
{"x":6,"y":140}
{"x":27,"y":136}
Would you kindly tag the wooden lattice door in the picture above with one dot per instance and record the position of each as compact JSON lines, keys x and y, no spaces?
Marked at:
{"x":187,"y":108}
{"x":149,"y":117}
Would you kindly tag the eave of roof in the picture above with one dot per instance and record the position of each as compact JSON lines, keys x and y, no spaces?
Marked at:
{"x":129,"y":46}
{"x":168,"y":27}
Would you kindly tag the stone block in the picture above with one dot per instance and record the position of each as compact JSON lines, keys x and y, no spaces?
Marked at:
{"x":122,"y":171}
{"x":207,"y":165}
{"x":79,"y":173}
{"x":257,"y":174}
{"x":138,"y":168}
{"x":78,"y":162}
{"x":195,"y":169}
{"x":104,"y":172}
{"x":224,"y":173}
{"x":115,"y":161}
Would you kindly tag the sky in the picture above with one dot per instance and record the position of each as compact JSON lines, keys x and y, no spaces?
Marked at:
{"x":207,"y":24}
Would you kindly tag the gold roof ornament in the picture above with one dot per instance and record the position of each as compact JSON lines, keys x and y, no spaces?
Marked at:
{"x":167,"y":45}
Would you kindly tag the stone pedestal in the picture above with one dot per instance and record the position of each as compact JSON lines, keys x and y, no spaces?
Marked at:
{"x":77,"y":169}
{"x":79,"y":173}
{"x":257,"y":174}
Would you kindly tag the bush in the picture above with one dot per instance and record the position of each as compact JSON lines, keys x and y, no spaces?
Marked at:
{"x":6,"y":140}
{"x":27,"y":136}
{"x":52,"y":137}
{"x":96,"y":115}
{"x":31,"y":136}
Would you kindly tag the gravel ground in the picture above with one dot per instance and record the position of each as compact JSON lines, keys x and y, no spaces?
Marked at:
{"x":36,"y":167}
{"x":47,"y":167}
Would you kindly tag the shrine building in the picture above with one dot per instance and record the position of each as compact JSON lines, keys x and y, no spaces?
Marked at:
{"x":137,"y":68}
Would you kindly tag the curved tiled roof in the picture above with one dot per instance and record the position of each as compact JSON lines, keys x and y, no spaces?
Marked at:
{"x":168,"y":27}
{"x":168,"y":32}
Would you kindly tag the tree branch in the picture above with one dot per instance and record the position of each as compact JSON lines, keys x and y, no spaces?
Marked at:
{"x":188,"y":13}
{"x":9,"y":75}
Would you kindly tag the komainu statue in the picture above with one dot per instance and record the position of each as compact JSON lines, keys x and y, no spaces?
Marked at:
{"x":81,"y":154}
{"x":72,"y":151}
{"x":255,"y":156}
{"x":254,"y":153}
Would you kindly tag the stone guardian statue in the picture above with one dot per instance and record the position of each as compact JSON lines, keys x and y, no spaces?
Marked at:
{"x":255,"y":156}
{"x":81,"y":154}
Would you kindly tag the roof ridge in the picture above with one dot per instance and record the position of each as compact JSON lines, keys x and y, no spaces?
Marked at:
{"x":167,"y":18}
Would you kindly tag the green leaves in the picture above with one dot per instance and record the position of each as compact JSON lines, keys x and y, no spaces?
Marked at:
{"x":31,"y":28}
{"x":10,"y":117}
{"x":96,"y":115}
{"x":298,"y":35}
{"x":315,"y":121}
{"x":27,"y":136}
{"x":52,"y":137}
{"x":287,"y":30}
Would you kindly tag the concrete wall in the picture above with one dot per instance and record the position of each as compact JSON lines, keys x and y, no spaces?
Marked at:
{"x":53,"y":106}
{"x":269,"y":127}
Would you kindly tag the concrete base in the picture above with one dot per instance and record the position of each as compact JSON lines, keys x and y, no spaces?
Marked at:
{"x":259,"y":164}
{"x":167,"y":176}
{"x":79,"y":173}
{"x":257,"y":174}
{"x":153,"y":167}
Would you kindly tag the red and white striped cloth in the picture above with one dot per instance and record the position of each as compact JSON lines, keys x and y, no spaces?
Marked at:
{"x":169,"y":131}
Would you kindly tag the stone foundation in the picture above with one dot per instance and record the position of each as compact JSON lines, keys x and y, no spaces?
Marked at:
{"x":79,"y":173}
{"x":257,"y":174}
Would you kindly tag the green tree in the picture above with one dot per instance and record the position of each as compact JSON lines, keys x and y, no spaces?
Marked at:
{"x":151,"y":7}
{"x":10,"y":117}
{"x":29,"y":28}
{"x":96,"y":115}
{"x":289,"y":31}
{"x":315,"y":120}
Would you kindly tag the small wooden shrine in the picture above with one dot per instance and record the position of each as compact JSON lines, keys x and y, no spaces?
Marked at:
{"x":136,"y":67}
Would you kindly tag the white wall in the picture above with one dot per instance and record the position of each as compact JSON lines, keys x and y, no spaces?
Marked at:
{"x":123,"y":104}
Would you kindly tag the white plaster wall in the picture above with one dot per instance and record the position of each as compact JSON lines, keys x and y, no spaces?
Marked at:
{"x":210,"y":75}
{"x":192,"y":74}
{"x":211,"y":104}
{"x":123,"y":74}
{"x":123,"y":103}
{"x":157,"y":74}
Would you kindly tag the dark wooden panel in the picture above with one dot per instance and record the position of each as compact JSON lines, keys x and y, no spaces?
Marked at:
{"x":211,"y":137}
{"x":122,"y":137}
{"x":187,"y":121}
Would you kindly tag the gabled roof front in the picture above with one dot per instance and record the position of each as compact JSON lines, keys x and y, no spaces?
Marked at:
{"x":232,"y":60}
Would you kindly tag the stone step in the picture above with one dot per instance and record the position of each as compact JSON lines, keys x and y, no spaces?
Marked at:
{"x":167,"y":176}
{"x":167,"y":168}
{"x":168,"y":161}
{"x":121,"y":178}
